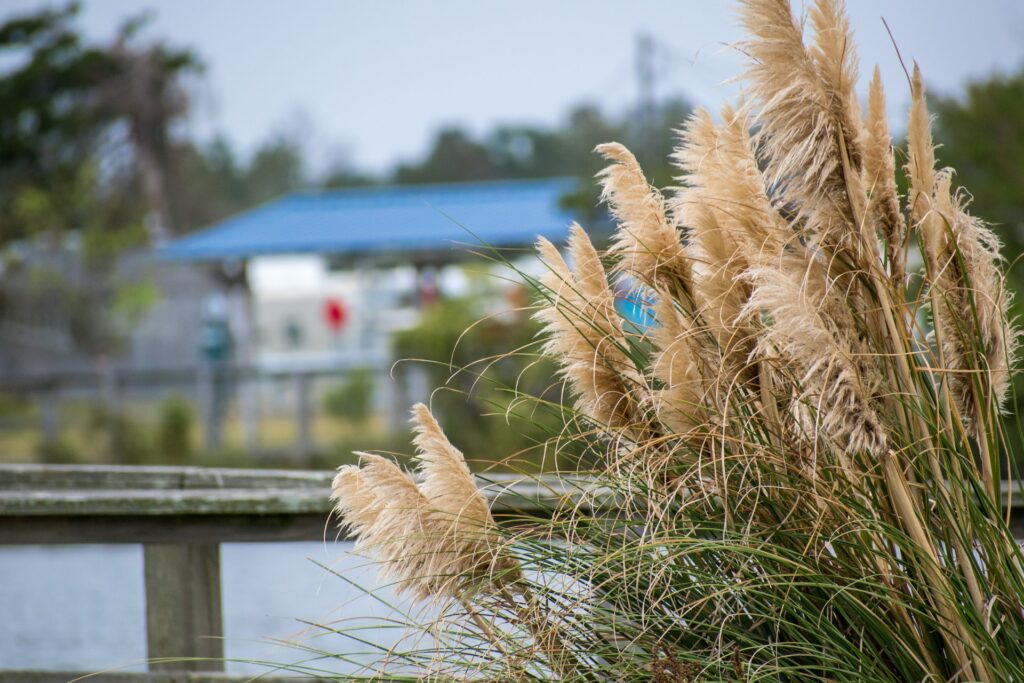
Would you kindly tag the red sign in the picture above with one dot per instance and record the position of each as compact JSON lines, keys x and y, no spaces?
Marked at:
{"x":335,"y":314}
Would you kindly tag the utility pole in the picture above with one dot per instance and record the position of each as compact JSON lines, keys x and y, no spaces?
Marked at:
{"x":646,"y":108}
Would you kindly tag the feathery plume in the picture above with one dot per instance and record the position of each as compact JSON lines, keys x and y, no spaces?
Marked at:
{"x":920,"y":166}
{"x":806,"y":112}
{"x":735,"y":185}
{"x":451,"y":490}
{"x":355,"y":501}
{"x":880,"y":179}
{"x":585,"y":335}
{"x":802,"y":331}
{"x":715,"y":244}
{"x":394,"y":524}
{"x":833,"y":52}
{"x":431,"y":543}
{"x":972,"y":305}
{"x":734,"y":227}
{"x":650,"y":247}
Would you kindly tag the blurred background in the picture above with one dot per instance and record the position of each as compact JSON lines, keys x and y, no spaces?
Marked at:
{"x":219,"y":230}
{"x":225,"y":226}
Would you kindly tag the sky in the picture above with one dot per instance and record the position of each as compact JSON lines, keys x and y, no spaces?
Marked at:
{"x":371,"y":82}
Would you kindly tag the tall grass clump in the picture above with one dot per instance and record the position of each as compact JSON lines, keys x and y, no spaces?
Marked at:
{"x":795,"y":473}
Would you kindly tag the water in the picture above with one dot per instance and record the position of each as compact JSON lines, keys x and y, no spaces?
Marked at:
{"x":82,"y":607}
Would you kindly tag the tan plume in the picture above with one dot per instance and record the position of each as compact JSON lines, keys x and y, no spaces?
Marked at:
{"x":920,"y":166}
{"x":715,"y":245}
{"x":809,"y":127}
{"x":803,"y":333}
{"x":445,"y":547}
{"x":833,"y":52}
{"x":393,"y":523}
{"x":734,"y":227}
{"x":972,"y":305}
{"x":880,"y":181}
{"x":451,"y":491}
{"x":584,"y":334}
{"x":649,"y":246}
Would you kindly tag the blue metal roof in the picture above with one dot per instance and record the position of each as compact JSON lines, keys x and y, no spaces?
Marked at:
{"x":387,"y":219}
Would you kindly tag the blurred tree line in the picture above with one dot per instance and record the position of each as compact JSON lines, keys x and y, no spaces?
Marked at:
{"x":93,"y":139}
{"x":981,"y":133}
{"x":567,"y":149}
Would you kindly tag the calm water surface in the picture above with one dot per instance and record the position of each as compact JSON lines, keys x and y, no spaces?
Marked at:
{"x":82,"y":607}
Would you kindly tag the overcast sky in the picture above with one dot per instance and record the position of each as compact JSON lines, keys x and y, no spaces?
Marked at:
{"x":374,"y":79}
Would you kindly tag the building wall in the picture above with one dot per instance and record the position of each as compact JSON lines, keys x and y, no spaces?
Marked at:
{"x":36,"y":330}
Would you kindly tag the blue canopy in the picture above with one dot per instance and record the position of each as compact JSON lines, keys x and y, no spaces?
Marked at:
{"x":425,"y":218}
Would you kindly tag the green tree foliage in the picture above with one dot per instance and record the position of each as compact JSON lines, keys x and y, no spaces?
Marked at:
{"x":982,"y":136}
{"x":210,"y":183}
{"x":100,"y":307}
{"x":352,"y":398}
{"x":47,"y":123}
{"x":84,"y":154}
{"x":518,"y":151}
{"x":63,"y":100}
{"x":174,"y":432}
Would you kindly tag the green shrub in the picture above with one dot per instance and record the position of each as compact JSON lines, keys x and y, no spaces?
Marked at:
{"x":120,"y":437}
{"x":61,"y":451}
{"x":353,"y":398}
{"x":174,"y":431}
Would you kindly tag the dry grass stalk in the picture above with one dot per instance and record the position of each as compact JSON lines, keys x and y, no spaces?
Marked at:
{"x":920,"y":166}
{"x":681,"y":404}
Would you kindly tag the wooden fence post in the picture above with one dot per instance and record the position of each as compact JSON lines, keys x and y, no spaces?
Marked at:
{"x":183,"y":605}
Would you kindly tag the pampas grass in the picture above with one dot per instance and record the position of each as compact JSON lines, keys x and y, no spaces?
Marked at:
{"x":435,"y":537}
{"x":794,"y":473}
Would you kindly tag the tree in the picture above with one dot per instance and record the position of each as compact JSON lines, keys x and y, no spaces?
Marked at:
{"x":454,"y":156}
{"x":525,"y":151}
{"x":63,"y":96}
{"x":69,"y":182}
{"x":982,"y":136}
{"x":209,"y":183}
{"x":145,"y":91}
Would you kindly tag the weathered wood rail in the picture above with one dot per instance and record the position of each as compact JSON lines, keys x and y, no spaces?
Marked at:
{"x":180,"y":515}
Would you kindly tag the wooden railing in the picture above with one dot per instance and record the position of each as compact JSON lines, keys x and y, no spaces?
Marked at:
{"x":181,"y":515}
